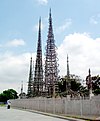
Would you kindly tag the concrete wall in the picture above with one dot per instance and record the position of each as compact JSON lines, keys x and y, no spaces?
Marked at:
{"x":61,"y":106}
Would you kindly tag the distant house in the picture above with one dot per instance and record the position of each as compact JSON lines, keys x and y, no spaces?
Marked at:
{"x":22,"y":95}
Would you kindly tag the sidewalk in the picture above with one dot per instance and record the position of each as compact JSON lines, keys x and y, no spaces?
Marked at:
{"x":22,"y":115}
{"x":69,"y":117}
{"x":31,"y":115}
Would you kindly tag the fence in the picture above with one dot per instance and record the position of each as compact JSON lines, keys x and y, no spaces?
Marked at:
{"x":61,"y":105}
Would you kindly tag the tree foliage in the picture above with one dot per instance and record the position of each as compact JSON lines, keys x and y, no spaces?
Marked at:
{"x":96,"y":85}
{"x":75,"y":84}
{"x":8,"y":94}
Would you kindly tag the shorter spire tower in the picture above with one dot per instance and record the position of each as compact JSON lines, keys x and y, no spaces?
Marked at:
{"x":68,"y":83}
{"x":21,"y":94}
{"x":90,"y":80}
{"x":38,"y":74}
{"x":68,"y":67}
{"x":89,"y":83}
{"x":30,"y":82}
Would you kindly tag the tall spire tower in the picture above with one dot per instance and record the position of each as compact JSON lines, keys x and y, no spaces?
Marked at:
{"x":51,"y":72}
{"x":38,"y":74}
{"x":68,"y":75}
{"x":68,"y":67}
{"x":30,"y":82}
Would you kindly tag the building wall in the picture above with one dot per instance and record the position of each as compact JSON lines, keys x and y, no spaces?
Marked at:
{"x":61,"y":105}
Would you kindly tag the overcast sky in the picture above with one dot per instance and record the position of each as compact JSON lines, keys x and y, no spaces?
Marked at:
{"x":76,"y":27}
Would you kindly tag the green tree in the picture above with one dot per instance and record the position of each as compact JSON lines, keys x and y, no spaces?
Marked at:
{"x":96,"y":84}
{"x":3,"y":97}
{"x":8,"y":94}
{"x":74,"y":81}
{"x":75,"y":86}
{"x":96,"y":91}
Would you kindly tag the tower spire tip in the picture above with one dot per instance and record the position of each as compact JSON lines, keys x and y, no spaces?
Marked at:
{"x":50,"y":12}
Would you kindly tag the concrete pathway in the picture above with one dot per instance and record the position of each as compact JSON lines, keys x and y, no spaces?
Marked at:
{"x":21,"y":115}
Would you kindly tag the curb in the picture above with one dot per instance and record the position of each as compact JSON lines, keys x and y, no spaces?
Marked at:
{"x":52,"y":115}
{"x":66,"y":117}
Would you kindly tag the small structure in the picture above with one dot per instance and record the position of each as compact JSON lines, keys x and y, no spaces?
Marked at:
{"x":22,"y":95}
{"x":89,"y":84}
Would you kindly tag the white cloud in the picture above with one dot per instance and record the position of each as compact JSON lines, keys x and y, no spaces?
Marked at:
{"x":0,"y":45}
{"x":64,"y":26}
{"x":43,"y":2}
{"x":13,"y":70}
{"x":93,"y":20}
{"x":83,"y":53}
{"x":15,"y":43}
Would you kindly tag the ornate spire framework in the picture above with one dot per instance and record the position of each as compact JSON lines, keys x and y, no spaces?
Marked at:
{"x":38,"y":74}
{"x":68,"y":67}
{"x":30,"y":82}
{"x":51,"y":71}
{"x":89,"y":80}
{"x":68,"y":84}
{"x":89,"y":72}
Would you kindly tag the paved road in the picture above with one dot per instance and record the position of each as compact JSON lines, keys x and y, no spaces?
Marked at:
{"x":19,"y":115}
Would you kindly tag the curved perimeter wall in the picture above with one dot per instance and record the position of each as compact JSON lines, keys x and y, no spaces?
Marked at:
{"x":60,"y":105}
